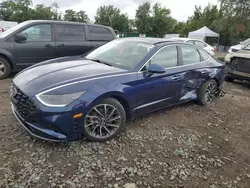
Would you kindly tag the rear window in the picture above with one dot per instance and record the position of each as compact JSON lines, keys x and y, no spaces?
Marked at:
{"x":100,"y":33}
{"x":190,"y":55}
{"x":204,"y":55}
{"x":66,"y":32}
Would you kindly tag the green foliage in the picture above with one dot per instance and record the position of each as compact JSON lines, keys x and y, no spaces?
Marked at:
{"x":143,"y":18}
{"x":154,"y":20}
{"x":21,"y":10}
{"x":70,"y":15}
{"x":112,"y":16}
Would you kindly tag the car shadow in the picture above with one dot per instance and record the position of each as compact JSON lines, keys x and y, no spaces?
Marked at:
{"x":242,"y":83}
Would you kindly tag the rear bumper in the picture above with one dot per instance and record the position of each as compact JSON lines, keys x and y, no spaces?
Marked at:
{"x":37,"y":132}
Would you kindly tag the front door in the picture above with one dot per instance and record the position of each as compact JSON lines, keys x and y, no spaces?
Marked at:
{"x":159,"y":90}
{"x":38,"y":47}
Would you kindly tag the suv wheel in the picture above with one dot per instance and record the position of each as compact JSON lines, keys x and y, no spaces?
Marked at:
{"x":104,"y":121}
{"x":5,"y":68}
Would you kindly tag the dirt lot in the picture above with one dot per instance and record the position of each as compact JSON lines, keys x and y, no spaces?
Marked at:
{"x":188,"y":146}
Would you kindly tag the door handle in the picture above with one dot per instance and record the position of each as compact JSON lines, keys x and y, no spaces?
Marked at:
{"x":48,"y":46}
{"x":176,"y":77}
{"x":60,"y":45}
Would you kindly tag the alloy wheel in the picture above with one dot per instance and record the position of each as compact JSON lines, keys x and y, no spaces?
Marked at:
{"x":102,"y":121}
{"x":2,"y":68}
{"x":210,"y":92}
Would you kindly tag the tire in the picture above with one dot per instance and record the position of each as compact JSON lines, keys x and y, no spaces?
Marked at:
{"x":5,"y":68}
{"x":229,"y":79}
{"x":98,"y":128}
{"x":207,"y":91}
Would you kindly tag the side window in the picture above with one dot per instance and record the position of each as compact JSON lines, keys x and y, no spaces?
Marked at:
{"x":68,"y":32}
{"x":200,"y":44}
{"x":190,"y":42}
{"x":190,"y":55}
{"x":166,"y":57}
{"x":204,"y":55}
{"x":38,"y":33}
{"x":100,"y":33}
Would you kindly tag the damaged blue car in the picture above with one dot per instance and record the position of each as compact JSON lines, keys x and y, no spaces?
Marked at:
{"x":92,"y":96}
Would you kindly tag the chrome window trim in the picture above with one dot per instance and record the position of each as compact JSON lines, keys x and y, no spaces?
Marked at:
{"x":177,"y":54}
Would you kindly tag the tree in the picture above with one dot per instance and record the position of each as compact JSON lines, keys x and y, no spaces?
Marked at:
{"x":55,"y":10}
{"x":81,"y":16}
{"x":161,"y":21}
{"x":70,"y":15}
{"x":42,"y":12}
{"x":143,"y":19}
{"x":154,"y":21}
{"x":112,"y":16}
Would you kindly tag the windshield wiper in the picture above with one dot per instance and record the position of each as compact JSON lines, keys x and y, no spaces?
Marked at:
{"x":99,"y":61}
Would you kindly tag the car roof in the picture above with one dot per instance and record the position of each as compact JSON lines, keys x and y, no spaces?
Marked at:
{"x":63,"y":22}
{"x":150,"y":40}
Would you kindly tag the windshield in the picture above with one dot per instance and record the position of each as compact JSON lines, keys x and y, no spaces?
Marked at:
{"x":247,"y":47}
{"x":246,"y":42}
{"x":122,"y":53}
{"x":9,"y":31}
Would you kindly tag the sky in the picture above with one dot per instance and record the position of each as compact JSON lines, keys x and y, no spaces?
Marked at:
{"x":180,"y":9}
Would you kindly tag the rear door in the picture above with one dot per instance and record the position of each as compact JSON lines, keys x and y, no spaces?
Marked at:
{"x":99,"y":35}
{"x":195,"y":71}
{"x":71,"y":40}
{"x":38,"y":47}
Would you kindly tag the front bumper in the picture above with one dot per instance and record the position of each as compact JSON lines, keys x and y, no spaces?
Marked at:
{"x":36,"y":129}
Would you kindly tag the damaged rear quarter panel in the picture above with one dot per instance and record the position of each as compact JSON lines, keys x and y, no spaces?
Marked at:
{"x":197,"y":74}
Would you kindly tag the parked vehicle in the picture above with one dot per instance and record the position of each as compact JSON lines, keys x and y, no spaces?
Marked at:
{"x":32,"y":42}
{"x":93,"y":96}
{"x":236,"y":48}
{"x":199,"y":43}
{"x":5,"y":25}
{"x":239,"y":65}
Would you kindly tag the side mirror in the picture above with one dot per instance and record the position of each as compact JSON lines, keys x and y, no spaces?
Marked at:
{"x":154,"y":68}
{"x":20,"y":37}
{"x":240,"y":42}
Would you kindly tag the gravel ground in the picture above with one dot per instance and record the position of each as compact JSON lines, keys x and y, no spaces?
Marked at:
{"x":188,"y":146}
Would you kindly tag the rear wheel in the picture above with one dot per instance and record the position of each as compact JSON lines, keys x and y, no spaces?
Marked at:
{"x":104,"y":121}
{"x":207,"y":92}
{"x":5,"y":68}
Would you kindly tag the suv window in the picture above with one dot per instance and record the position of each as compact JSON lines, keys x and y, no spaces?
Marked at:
{"x":190,"y":55}
{"x":100,"y":33}
{"x":200,"y":44}
{"x":166,"y":57}
{"x":69,"y":32}
{"x":40,"y":32}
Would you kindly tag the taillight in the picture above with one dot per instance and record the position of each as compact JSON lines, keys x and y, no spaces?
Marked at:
{"x":214,"y":49}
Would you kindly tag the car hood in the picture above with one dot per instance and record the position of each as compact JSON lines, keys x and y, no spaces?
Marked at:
{"x":54,"y":73}
{"x":242,"y":53}
{"x":237,"y":47}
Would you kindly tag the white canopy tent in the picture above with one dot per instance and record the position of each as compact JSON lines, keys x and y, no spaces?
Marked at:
{"x":202,"y":33}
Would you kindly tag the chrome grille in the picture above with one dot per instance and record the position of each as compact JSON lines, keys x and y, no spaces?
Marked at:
{"x":241,"y":65}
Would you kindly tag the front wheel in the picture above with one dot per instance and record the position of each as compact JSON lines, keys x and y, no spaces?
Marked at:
{"x":207,"y":92}
{"x":104,"y":121}
{"x":5,"y":68}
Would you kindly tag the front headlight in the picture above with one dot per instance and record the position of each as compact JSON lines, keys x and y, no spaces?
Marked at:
{"x":58,"y":100}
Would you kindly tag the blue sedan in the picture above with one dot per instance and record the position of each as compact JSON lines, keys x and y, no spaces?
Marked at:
{"x":93,"y":96}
